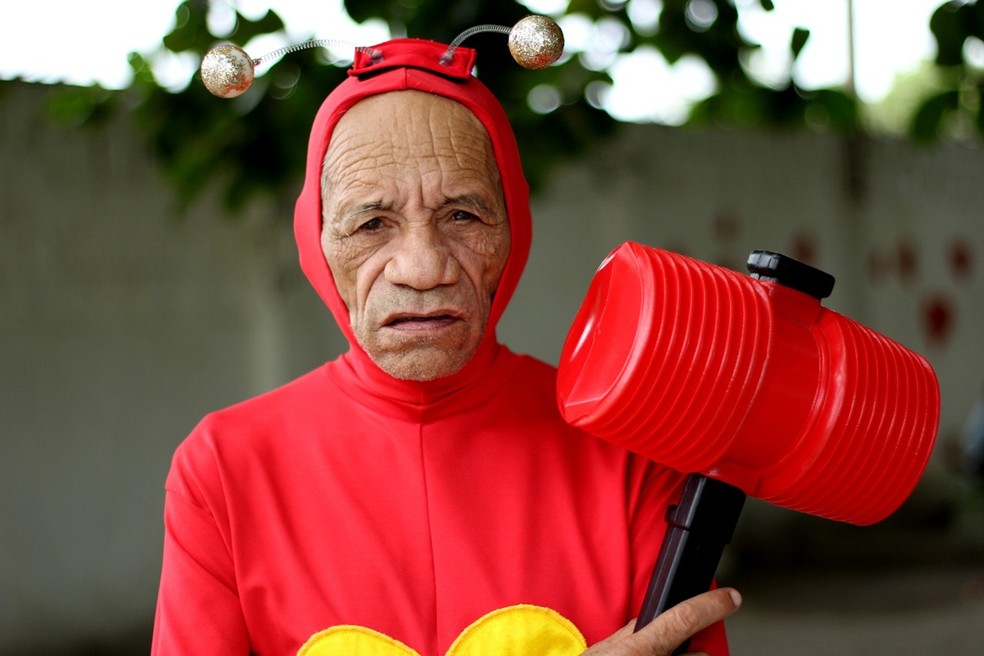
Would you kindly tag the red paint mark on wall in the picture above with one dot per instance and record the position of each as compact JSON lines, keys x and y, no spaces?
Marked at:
{"x":961,"y":259}
{"x":938,"y":318}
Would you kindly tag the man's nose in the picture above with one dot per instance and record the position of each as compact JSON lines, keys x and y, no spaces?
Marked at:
{"x":422,"y":260}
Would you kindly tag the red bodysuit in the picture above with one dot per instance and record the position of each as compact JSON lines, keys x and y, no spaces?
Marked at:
{"x":349,"y":498}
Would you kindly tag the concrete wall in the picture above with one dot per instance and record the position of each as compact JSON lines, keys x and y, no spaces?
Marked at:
{"x":122,"y":324}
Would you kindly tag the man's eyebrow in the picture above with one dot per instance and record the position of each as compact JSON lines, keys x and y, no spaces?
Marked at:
{"x":366,"y":208}
{"x":475,"y":201}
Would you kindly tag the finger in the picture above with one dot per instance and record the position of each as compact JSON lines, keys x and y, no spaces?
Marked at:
{"x":671,"y":628}
{"x":622,"y":633}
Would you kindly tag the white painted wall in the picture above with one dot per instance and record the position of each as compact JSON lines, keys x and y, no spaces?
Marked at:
{"x":120,"y":326}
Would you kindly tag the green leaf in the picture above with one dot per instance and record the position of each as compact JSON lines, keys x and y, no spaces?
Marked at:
{"x":190,"y":31}
{"x":927,"y":124}
{"x":247,"y":29}
{"x":950,"y":27}
{"x":979,"y":118}
{"x":796,"y":44}
{"x":841,"y":110}
{"x":977,"y":22}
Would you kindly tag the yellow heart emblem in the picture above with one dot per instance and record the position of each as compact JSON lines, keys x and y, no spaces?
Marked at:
{"x":522,"y":630}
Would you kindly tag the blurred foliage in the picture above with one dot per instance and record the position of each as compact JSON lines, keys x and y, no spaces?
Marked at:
{"x":254,"y":145}
{"x":955,"y":105}
{"x":893,"y":113}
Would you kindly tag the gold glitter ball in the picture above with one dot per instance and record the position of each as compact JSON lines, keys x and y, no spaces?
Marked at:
{"x":227,"y":71}
{"x":536,"y":42}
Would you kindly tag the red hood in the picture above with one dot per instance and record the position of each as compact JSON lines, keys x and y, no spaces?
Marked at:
{"x":415,"y":64}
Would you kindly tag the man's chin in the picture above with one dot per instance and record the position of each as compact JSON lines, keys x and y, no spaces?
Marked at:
{"x":423,"y":365}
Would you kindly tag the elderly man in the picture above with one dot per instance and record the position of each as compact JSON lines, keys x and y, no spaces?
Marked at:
{"x":420,"y":494}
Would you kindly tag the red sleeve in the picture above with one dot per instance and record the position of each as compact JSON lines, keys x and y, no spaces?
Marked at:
{"x":198,"y":608}
{"x":662,"y":488}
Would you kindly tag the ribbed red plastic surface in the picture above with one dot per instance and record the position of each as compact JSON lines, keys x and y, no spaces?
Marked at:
{"x":707,"y":370}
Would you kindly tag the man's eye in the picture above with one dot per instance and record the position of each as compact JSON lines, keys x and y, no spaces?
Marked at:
{"x":463,"y":216}
{"x":372,"y":225}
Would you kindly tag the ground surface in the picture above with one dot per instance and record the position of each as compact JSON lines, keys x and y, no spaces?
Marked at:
{"x":931,"y":611}
{"x":910,"y":586}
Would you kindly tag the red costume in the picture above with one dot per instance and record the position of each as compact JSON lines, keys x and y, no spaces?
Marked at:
{"x":413,"y":509}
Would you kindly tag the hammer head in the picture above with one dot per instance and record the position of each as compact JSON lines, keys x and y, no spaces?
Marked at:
{"x":753,"y":383}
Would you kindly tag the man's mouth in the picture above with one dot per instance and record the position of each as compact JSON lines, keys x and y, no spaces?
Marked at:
{"x":411,"y":322}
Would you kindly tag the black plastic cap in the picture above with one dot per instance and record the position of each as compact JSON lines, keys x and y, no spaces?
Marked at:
{"x":775,"y":267}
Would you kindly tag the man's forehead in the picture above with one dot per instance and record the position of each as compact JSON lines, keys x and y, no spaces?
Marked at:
{"x":409,"y":131}
{"x":395,"y":109}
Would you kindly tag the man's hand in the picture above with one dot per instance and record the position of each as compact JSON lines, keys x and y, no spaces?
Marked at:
{"x":670,"y":629}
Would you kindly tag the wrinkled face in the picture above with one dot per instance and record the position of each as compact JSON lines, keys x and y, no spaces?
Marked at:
{"x":415,"y":230}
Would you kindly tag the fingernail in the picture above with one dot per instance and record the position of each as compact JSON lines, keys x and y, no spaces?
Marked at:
{"x":735,"y":597}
